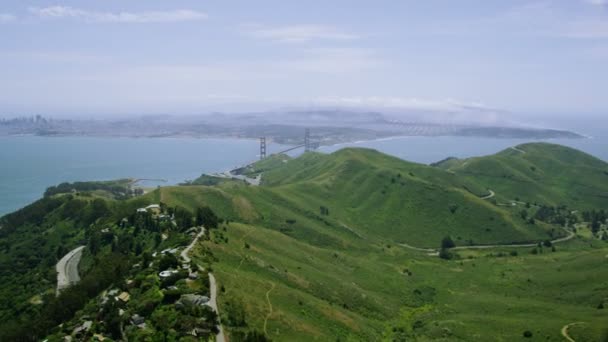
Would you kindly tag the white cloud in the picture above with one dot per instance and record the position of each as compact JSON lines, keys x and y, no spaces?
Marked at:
{"x":6,"y":17}
{"x":444,"y":111}
{"x":406,"y":103}
{"x":300,"y":33}
{"x":597,"y":2}
{"x":57,"y":12}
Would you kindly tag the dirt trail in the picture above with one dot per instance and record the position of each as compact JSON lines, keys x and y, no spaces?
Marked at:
{"x":518,"y":150}
{"x":492,"y":194}
{"x":269,"y":308}
{"x":565,"y":331}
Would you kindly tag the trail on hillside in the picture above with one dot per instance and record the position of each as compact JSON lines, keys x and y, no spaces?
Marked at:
{"x":518,"y":150}
{"x":565,"y":331}
{"x":434,"y":252}
{"x":492,"y":194}
{"x":269,"y":308}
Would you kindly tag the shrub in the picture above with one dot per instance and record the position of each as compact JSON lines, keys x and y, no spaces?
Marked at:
{"x":527,"y":334}
{"x":445,"y":253}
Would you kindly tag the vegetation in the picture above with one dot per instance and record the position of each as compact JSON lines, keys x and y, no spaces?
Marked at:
{"x":119,"y":188}
{"x":330,"y":247}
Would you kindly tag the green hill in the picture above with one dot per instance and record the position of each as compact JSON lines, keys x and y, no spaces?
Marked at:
{"x":368,"y":194}
{"x":540,"y":172}
{"x":322,"y":250}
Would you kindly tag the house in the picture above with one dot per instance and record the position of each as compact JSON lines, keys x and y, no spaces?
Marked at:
{"x":142,"y":210}
{"x":153,"y":208}
{"x":80,"y":330}
{"x":167,"y":273}
{"x":137,"y":320}
{"x":193,"y":299}
{"x":124,"y":297}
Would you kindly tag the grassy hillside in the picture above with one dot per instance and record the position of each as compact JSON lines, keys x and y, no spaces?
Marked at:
{"x":540,"y":172}
{"x":297,"y":292}
{"x":318,"y":251}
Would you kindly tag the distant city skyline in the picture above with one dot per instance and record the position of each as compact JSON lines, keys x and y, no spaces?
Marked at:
{"x":534,"y":59}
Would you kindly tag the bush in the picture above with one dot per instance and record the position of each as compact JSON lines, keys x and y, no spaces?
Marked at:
{"x":445,"y":253}
{"x":527,"y":334}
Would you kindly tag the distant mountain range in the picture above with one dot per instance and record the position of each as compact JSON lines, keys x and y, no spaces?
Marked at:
{"x":328,"y":126}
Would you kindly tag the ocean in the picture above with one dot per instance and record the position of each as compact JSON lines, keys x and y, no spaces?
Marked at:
{"x":30,"y":164}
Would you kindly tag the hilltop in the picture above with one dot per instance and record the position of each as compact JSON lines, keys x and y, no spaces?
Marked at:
{"x":539,"y":172}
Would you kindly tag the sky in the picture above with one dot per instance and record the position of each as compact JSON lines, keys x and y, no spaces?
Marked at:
{"x":116,"y":57}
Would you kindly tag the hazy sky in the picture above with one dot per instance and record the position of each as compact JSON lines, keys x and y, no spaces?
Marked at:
{"x":143,"y":56}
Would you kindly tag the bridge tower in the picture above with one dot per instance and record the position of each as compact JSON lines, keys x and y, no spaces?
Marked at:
{"x":262,"y":148}
{"x":307,"y":145}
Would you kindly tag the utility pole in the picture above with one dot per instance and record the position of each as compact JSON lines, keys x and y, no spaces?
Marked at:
{"x":262,"y":148}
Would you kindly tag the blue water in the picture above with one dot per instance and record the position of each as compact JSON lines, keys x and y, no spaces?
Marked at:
{"x":28,"y":164}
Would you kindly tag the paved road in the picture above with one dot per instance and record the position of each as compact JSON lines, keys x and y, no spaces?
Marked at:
{"x":67,"y":269}
{"x":187,"y":250}
{"x":434,"y":252}
{"x":213,"y":304}
{"x":212,"y":285}
{"x":566,"y":238}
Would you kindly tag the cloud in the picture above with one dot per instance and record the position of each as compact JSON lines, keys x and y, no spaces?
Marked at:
{"x":59,"y":12}
{"x":446,"y":111}
{"x":300,"y":33}
{"x":6,"y":17}
{"x":597,"y":2}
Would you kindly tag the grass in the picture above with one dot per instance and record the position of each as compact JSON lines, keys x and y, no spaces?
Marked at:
{"x":318,"y":243}
{"x":323,"y":293}
{"x":545,"y":173}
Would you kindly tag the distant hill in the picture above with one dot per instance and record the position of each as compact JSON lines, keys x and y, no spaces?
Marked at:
{"x":539,"y":172}
{"x":382,"y":198}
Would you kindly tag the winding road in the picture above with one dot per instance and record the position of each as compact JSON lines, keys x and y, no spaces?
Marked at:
{"x":212,"y":286}
{"x":187,"y":250}
{"x":67,"y":269}
{"x":213,"y":304}
{"x":434,"y":252}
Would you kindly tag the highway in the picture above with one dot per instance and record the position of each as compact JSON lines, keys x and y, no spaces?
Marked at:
{"x":67,"y":269}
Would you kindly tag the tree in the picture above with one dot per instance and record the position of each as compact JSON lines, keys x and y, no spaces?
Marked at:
{"x":447,"y":242}
{"x":206,"y":217}
{"x":168,"y":261}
